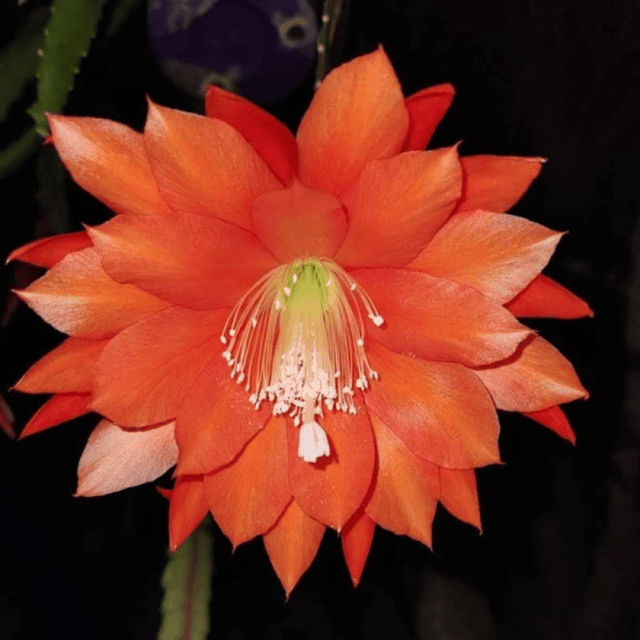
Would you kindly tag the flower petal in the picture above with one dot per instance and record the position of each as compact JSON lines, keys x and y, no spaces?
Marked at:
{"x":116,"y":459}
{"x":109,"y":160}
{"x":332,"y":489}
{"x":406,"y":490}
{"x":215,"y":420}
{"x":426,"y":108}
{"x":397,"y":205}
{"x":204,"y":166}
{"x":164,"y":354}
{"x":299,"y":222}
{"x":187,"y":509}
{"x":45,"y":252}
{"x":356,"y":115}
{"x":266,"y":134}
{"x":553,"y":418}
{"x":356,"y":540}
{"x":545,"y":298}
{"x":78,"y":298}
{"x":496,"y":183}
{"x":459,"y":495}
{"x":438,"y":409}
{"x":66,"y":369}
{"x":292,"y":545}
{"x":536,"y":377}
{"x":495,"y":253}
{"x":58,"y":409}
{"x":439,"y":319}
{"x":248,"y":496}
{"x":183,"y":259}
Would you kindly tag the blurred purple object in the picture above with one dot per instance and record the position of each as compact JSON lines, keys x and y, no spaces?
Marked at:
{"x":261,"y":49}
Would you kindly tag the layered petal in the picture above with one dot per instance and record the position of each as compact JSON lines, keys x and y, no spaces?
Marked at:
{"x":58,"y":409}
{"x":496,"y":183}
{"x":553,"y":418}
{"x":249,"y":495}
{"x":356,"y":115}
{"x":437,"y":409}
{"x":109,"y":160}
{"x":162,"y":355}
{"x":66,"y":369}
{"x":397,"y":205}
{"x":459,"y":495}
{"x":45,"y":252}
{"x":187,"y":509}
{"x":536,"y":377}
{"x":545,"y":298}
{"x":215,"y":420}
{"x":406,"y":490}
{"x":495,"y":253}
{"x":204,"y":166}
{"x":292,"y":545}
{"x":78,"y":298}
{"x":332,"y":489}
{"x":439,"y":319}
{"x":299,"y":222}
{"x":356,"y":540}
{"x":116,"y":459}
{"x":266,"y":134}
{"x":426,"y":108}
{"x":189,"y":260}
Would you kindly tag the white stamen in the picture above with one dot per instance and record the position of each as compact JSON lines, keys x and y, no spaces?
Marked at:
{"x":307,"y":354}
{"x":223,"y":340}
{"x":313,"y":442}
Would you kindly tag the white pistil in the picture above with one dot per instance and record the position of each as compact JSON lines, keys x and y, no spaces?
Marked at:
{"x":307,"y":354}
{"x":313,"y":443}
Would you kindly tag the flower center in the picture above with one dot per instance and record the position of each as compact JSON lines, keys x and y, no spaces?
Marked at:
{"x":296,"y":339}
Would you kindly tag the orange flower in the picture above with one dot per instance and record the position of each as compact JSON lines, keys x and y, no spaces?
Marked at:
{"x":317,"y":331}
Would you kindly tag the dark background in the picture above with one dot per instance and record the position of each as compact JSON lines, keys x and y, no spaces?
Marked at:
{"x":560,"y":551}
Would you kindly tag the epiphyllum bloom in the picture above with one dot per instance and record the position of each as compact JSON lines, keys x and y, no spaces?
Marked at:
{"x":316,"y":330}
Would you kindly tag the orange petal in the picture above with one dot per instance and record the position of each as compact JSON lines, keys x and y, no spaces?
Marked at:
{"x":78,"y":298}
{"x":396,"y":206}
{"x":332,"y":489}
{"x":426,"y":108}
{"x":183,"y":259}
{"x":267,"y":135}
{"x":109,"y":160}
{"x":248,"y":496}
{"x":553,"y":418}
{"x":459,"y":495}
{"x":164,"y":354}
{"x":438,"y":409}
{"x":536,"y":377}
{"x":58,"y":409}
{"x":356,"y":115}
{"x":215,"y":420}
{"x":299,"y":222}
{"x":545,"y":298}
{"x":292,"y":545}
{"x":116,"y":459}
{"x":438,"y":319}
{"x":356,"y":540}
{"x":187,"y":509}
{"x":46,"y":252}
{"x":204,"y":166}
{"x":406,"y":490}
{"x":495,"y":253}
{"x":66,"y":369}
{"x":496,"y":183}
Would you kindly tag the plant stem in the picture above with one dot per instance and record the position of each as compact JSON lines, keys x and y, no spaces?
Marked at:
{"x":331,"y":11}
